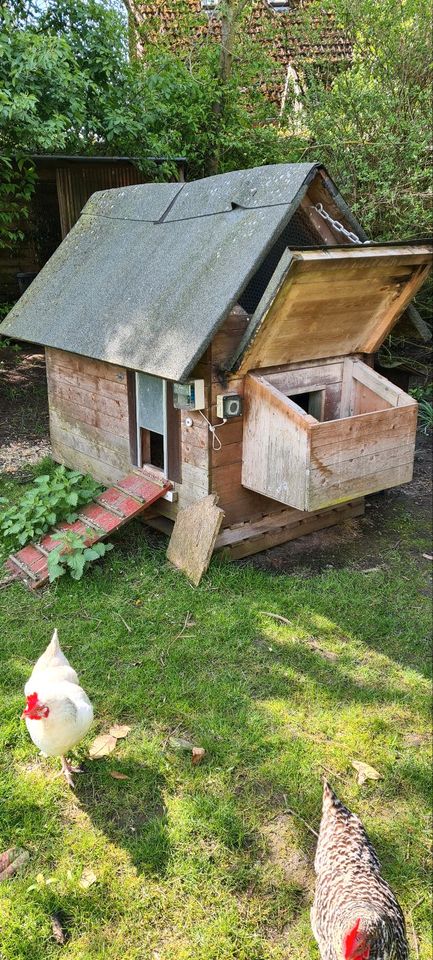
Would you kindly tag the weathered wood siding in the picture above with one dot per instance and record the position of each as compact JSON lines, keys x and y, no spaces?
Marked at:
{"x":336,"y":302}
{"x":225,"y":464}
{"x":311,"y":465}
{"x":240,"y":504}
{"x":204,"y":469}
{"x":89,"y":425}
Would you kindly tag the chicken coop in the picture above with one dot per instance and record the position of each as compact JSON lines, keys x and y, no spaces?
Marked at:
{"x":218,"y":336}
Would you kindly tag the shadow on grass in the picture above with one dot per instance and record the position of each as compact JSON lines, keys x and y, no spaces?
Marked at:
{"x":166,"y":658}
{"x":130,"y":812}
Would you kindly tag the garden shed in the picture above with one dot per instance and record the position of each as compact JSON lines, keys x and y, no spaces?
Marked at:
{"x":219,"y":334}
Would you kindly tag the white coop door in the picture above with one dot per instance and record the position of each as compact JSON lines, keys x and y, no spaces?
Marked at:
{"x":151,"y":420}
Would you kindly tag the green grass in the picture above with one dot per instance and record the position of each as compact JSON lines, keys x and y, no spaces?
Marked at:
{"x":198,"y":863}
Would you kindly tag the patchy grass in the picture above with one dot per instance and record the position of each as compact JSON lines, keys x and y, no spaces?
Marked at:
{"x":201,"y":863}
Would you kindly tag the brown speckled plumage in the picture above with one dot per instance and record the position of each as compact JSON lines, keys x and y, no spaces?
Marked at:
{"x":349,"y":886}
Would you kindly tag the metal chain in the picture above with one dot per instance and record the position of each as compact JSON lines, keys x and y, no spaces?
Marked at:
{"x":336,"y":224}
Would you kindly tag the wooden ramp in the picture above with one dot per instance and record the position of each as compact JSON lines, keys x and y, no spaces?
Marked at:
{"x":110,"y":510}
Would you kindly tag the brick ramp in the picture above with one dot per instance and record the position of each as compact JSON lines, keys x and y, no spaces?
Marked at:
{"x":114,"y":507}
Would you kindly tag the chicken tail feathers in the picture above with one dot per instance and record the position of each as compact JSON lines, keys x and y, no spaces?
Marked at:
{"x":330,"y":799}
{"x":54,"y":646}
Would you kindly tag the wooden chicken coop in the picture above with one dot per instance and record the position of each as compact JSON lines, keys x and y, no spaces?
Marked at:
{"x":220,"y":334}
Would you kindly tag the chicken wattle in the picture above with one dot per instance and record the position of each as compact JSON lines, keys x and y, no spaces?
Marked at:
{"x":58,"y":712}
{"x":355,"y":915}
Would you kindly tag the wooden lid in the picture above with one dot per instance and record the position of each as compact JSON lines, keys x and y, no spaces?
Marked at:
{"x":325,"y":303}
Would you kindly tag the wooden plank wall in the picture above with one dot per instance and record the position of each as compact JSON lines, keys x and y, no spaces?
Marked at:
{"x":326,"y":375}
{"x":239,"y":504}
{"x":276,"y":443}
{"x":89,"y":424}
{"x":358,"y":456}
{"x":205,"y":469}
{"x":242,"y":505}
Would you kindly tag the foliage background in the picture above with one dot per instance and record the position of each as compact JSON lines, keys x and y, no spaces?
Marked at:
{"x":68,"y":83}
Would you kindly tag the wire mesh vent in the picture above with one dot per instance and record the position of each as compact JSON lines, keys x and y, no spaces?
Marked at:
{"x":298,"y":233}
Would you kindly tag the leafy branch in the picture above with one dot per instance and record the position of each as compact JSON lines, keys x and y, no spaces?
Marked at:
{"x":73,"y":556}
{"x":50,"y":499}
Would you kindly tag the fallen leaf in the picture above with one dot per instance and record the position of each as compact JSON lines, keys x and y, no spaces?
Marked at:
{"x":198,"y":753}
{"x":87,"y":878}
{"x":11,"y":861}
{"x":58,"y":932}
{"x":118,"y":776}
{"x":119,"y":731}
{"x":365,"y":772}
{"x":427,"y":556}
{"x":102,"y":746}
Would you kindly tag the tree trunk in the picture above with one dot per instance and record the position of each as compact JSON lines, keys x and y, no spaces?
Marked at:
{"x":230,"y":12}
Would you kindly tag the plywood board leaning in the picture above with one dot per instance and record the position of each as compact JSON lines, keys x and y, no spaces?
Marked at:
{"x":193,"y":538}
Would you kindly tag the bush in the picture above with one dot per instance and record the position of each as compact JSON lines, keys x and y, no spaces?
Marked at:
{"x":73,"y":556}
{"x":51,"y":498}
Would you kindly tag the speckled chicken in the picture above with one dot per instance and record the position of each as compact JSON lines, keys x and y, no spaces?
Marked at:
{"x":355,"y":915}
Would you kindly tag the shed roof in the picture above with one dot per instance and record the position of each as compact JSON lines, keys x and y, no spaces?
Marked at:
{"x":147,"y":275}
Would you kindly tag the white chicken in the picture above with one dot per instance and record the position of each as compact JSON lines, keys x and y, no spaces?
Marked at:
{"x":58,"y":712}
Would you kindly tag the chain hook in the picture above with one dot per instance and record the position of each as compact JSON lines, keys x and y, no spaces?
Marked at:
{"x":319,"y":208}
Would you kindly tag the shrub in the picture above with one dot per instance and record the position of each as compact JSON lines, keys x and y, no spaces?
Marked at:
{"x":50,"y":499}
{"x":73,"y":556}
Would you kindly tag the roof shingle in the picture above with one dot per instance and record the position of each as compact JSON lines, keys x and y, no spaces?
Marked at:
{"x":149,"y":272}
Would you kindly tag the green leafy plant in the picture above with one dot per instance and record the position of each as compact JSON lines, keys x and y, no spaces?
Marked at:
{"x":73,"y":556}
{"x":5,"y":342}
{"x":423,"y":393}
{"x":51,"y":498}
{"x":425,"y":415}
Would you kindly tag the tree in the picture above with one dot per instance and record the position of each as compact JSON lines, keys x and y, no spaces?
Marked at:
{"x":210,"y":78}
{"x":66,"y":85}
{"x":371,"y":123}
{"x":230,"y":14}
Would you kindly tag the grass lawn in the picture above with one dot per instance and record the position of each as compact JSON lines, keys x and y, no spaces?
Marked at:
{"x":202,"y":863}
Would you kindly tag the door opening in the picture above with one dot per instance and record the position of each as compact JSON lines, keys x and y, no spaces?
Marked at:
{"x":312,"y":402}
{"x":152,"y":449}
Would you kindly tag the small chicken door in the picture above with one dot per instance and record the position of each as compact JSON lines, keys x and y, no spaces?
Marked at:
{"x":151,"y":393}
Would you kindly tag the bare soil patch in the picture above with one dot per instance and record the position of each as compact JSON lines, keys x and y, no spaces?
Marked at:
{"x":24,"y":434}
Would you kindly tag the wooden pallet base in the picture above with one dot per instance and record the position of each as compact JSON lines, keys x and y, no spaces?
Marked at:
{"x":243,"y":540}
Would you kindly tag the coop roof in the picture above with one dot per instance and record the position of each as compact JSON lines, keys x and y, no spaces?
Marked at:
{"x":149,"y":272}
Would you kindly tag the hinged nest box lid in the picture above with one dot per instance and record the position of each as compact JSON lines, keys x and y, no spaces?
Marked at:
{"x":324,"y":303}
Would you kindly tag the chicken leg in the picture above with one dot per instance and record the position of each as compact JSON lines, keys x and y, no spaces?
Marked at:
{"x":68,"y":769}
